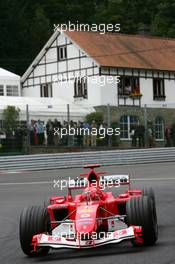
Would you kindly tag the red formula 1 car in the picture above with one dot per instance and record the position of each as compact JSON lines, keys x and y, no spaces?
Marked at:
{"x":90,"y":219}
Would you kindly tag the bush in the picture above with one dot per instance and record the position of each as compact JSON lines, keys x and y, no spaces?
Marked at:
{"x":11,"y":119}
{"x":97,"y":116}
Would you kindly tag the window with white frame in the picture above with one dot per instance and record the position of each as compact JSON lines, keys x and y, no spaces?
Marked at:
{"x":1,"y":90}
{"x":12,"y":90}
{"x":46,"y":90}
{"x":158,"y":89}
{"x":80,"y":87}
{"x":127,"y":124}
{"x":159,"y":128}
{"x":62,"y":53}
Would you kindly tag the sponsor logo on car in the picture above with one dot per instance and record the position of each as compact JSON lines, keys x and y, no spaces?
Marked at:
{"x":54,"y":239}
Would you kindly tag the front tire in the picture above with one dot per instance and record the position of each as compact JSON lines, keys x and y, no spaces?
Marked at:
{"x":140,"y":211}
{"x":33,"y":221}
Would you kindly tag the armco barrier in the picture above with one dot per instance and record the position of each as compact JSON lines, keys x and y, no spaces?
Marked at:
{"x":78,"y":159}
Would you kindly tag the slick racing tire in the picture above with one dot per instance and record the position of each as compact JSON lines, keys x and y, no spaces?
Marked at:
{"x":141,"y":212}
{"x":33,"y":220}
{"x":150,"y":193}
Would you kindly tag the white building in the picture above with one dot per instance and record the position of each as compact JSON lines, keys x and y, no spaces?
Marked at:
{"x":146,"y":66}
{"x":9,"y":83}
{"x":44,"y":108}
{"x":39,"y":108}
{"x":146,"y":62}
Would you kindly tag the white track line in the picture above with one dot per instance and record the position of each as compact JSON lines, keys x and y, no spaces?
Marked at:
{"x":152,"y":179}
{"x":24,"y":183}
{"x":13,"y":172}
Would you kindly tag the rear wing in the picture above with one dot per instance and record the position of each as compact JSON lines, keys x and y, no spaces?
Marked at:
{"x":106,"y":181}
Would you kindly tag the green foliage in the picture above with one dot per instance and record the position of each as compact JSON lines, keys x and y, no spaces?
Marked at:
{"x":25,"y":26}
{"x":164,"y":21}
{"x":97,"y":116}
{"x":10,"y":118}
{"x":39,"y":29}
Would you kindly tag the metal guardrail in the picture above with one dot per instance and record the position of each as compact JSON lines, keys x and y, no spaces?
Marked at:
{"x":78,"y":159}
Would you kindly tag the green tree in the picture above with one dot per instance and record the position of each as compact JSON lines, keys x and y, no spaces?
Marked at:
{"x":25,"y":26}
{"x":39,"y":31}
{"x":11,"y":119}
{"x":97,"y":116}
{"x":164,"y":21}
{"x":130,"y":14}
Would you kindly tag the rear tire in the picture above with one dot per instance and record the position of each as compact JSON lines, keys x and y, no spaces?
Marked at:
{"x":140,"y":211}
{"x":33,"y":221}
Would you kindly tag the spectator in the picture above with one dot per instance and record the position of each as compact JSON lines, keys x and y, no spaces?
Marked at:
{"x":32,"y":132}
{"x":19,"y":137}
{"x":56,"y":136}
{"x":133,"y":137}
{"x":150,"y":138}
{"x":141,"y":135}
{"x":45,"y":136}
{"x":35,"y":133}
{"x":76,"y":134}
{"x":168,"y":135}
{"x":86,"y":136}
{"x":79,"y":136}
{"x":24,"y":130}
{"x":128,"y":89}
{"x":93,"y":135}
{"x":40,"y":132}
{"x":136,"y":89}
{"x":50,"y":132}
{"x":71,"y":137}
{"x":64,"y":139}
{"x":106,"y":137}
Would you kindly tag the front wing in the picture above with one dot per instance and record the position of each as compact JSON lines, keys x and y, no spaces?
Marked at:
{"x":57,"y":242}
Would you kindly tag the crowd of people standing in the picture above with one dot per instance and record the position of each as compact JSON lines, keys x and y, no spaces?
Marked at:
{"x":43,"y":134}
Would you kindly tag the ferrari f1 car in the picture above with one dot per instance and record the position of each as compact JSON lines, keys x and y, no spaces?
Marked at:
{"x":91,"y":219}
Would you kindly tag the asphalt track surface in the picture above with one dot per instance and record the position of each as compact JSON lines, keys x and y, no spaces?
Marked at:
{"x":18,"y":190}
